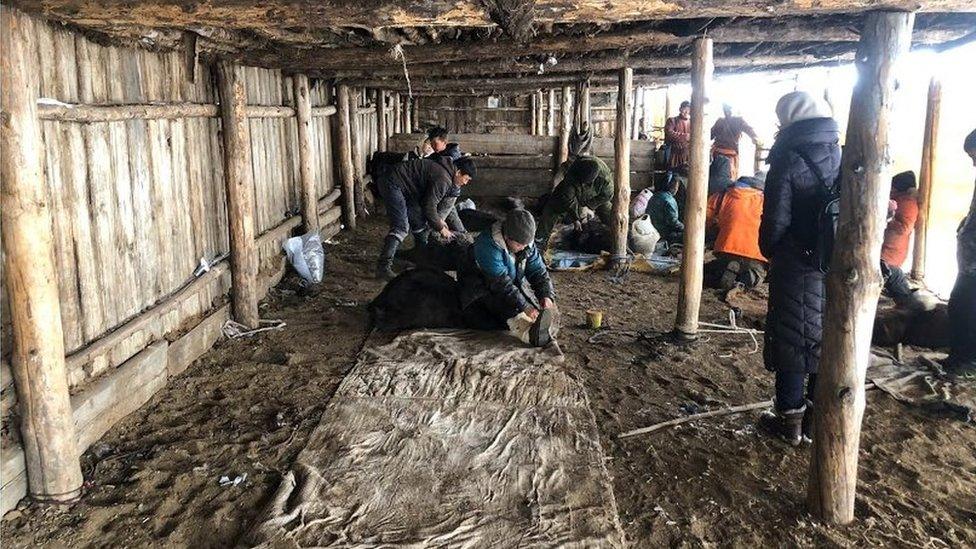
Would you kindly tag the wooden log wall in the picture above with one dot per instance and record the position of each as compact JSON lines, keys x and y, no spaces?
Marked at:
{"x":522,"y":165}
{"x":461,"y":114}
{"x":137,"y":196}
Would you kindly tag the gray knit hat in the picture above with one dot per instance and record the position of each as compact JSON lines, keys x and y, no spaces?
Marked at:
{"x":519,"y":226}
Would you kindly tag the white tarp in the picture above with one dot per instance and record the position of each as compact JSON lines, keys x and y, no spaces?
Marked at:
{"x":449,"y":439}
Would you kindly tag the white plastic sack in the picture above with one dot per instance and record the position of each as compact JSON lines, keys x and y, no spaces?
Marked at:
{"x":466,"y":204}
{"x":643,"y":235}
{"x":307,"y":256}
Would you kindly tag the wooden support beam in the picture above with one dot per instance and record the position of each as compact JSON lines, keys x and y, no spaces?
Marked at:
{"x":586,"y":108}
{"x":303,"y":112}
{"x":534,"y":110}
{"x":397,"y":114}
{"x":46,"y":424}
{"x":347,"y":174}
{"x":358,"y":163}
{"x":565,"y":123}
{"x":854,"y":281}
{"x":415,"y":112}
{"x":638,"y":103}
{"x":381,"y":132}
{"x":621,"y":172}
{"x":693,"y":252}
{"x":551,"y":113}
{"x":926,"y":177}
{"x":240,"y":194}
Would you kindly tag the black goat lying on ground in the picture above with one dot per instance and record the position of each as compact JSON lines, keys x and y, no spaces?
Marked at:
{"x":418,"y":298}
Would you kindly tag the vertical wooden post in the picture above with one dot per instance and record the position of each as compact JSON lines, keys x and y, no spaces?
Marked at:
{"x":540,"y":113}
{"x":407,"y":111}
{"x":397,"y":114}
{"x":586,"y":111}
{"x":551,"y":118}
{"x":534,"y":107}
{"x":621,"y":155}
{"x":854,"y":281}
{"x":356,"y":139}
{"x":693,"y":253}
{"x":240,"y":194}
{"x":926,"y":177}
{"x":347,"y":173}
{"x":415,"y":113}
{"x":565,"y":123}
{"x":381,"y":134}
{"x":638,"y":111}
{"x":46,"y":425}
{"x":303,"y":116}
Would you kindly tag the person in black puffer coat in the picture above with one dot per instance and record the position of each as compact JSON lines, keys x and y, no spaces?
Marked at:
{"x":806,"y":154}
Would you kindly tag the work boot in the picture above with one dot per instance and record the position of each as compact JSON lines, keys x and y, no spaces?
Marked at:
{"x":786,"y":425}
{"x":384,"y":266}
{"x":420,"y":238}
{"x":540,"y":334}
{"x":729,"y":276}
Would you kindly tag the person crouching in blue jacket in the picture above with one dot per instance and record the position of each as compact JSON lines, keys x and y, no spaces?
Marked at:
{"x":492,"y":282}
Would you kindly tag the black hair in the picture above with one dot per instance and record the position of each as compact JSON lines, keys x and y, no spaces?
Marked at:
{"x":437,"y":132}
{"x":969,"y":145}
{"x":685,"y":104}
{"x":466,"y":166}
{"x":904,"y":181}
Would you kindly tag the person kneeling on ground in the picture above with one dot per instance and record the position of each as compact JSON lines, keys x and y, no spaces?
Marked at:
{"x":491,"y":282}
{"x":663,"y":211}
{"x":735,"y":213}
{"x":588,"y":183}
{"x":414,"y":192}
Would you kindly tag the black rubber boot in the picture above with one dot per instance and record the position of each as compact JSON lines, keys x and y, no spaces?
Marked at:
{"x":540,"y":333}
{"x":384,"y":266}
{"x":786,"y":425}
{"x":421,"y":238}
{"x":807,"y":426}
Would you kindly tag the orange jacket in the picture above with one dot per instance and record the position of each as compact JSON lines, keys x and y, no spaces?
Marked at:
{"x":736,"y":213}
{"x":898,"y":233}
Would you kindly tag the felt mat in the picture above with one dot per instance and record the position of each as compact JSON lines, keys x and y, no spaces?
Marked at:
{"x":449,"y":439}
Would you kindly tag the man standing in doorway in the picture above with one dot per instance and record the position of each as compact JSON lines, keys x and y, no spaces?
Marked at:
{"x":726,"y":133}
{"x":677,"y":140}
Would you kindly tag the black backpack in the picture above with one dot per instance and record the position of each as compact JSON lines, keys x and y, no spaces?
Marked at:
{"x":827,"y":216}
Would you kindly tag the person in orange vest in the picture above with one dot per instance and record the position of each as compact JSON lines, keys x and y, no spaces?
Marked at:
{"x":735,"y":213}
{"x":898,"y":234}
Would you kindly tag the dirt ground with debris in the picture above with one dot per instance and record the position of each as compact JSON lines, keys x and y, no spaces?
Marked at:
{"x":248,"y":407}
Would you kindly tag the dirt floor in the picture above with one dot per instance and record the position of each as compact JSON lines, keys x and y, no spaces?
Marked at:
{"x":247,"y":408}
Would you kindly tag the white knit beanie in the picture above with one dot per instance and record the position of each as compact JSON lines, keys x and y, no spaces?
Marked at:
{"x":798,"y":105}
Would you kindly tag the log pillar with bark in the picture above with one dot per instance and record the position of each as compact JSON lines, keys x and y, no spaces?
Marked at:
{"x":347,"y":174}
{"x":381,"y":133}
{"x":534,"y":114}
{"x":926,"y":177}
{"x":586,"y":111}
{"x":540,"y":113}
{"x":854,"y":282}
{"x":240,"y":194}
{"x":693,"y":252}
{"x":621,"y":155}
{"x":565,"y":123}
{"x":415,"y":113}
{"x":357,"y":138}
{"x":638,"y":112}
{"x":408,"y":115}
{"x":303,"y":116}
{"x":47,"y":427}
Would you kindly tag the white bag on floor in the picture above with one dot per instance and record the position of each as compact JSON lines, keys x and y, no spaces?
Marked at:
{"x":643,"y":235}
{"x":307,"y":256}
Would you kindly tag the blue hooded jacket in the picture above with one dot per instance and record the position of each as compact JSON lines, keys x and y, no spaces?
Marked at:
{"x":492,"y":269}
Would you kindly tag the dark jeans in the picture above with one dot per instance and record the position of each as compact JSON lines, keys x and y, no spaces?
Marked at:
{"x":404,"y":214}
{"x":895,"y":281}
{"x":962,"y":322}
{"x":789,"y":389}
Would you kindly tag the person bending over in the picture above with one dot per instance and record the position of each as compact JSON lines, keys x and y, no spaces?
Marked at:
{"x":735,"y":214}
{"x":588,"y":183}
{"x":663,"y":211}
{"x":414,"y":192}
{"x":492,"y":280}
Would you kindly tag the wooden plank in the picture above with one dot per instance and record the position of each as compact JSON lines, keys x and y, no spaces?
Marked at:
{"x":185,"y":350}
{"x":692,"y":258}
{"x":306,"y":156}
{"x":31,"y":275}
{"x":345,"y":145}
{"x":926,"y":176}
{"x":854,"y":281}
